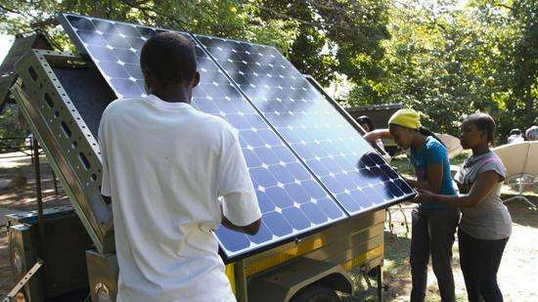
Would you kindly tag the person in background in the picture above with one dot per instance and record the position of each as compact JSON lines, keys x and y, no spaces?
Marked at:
{"x":368,"y":126}
{"x":433,"y":225}
{"x":165,"y":164}
{"x":516,"y":136}
{"x":532,"y":133}
{"x":486,"y":223}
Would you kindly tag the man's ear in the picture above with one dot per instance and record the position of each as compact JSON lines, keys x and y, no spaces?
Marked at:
{"x":195,"y":79}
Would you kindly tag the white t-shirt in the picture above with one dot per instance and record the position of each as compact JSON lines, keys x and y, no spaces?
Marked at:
{"x":164,"y":166}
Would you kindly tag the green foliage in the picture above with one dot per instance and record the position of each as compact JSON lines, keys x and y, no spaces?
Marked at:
{"x":11,"y":127}
{"x":449,"y":62}
{"x":444,"y":60}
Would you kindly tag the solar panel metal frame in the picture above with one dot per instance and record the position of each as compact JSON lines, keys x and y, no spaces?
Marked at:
{"x":336,"y":106}
{"x":60,"y":127}
{"x":263,"y":246}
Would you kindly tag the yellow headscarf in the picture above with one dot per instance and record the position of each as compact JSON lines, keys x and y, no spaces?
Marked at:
{"x":408,"y":118}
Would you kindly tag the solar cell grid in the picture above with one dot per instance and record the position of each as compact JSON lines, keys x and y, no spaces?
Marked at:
{"x":332,"y":149}
{"x":291,"y":199}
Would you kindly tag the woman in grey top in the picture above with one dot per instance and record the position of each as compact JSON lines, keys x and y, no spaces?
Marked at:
{"x":486,"y":223}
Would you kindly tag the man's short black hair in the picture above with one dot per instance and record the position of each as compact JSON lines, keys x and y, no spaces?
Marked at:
{"x":170,"y":57}
{"x":366,"y":120}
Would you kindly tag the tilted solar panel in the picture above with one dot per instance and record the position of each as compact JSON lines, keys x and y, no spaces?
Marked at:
{"x":292,"y":200}
{"x":332,"y":149}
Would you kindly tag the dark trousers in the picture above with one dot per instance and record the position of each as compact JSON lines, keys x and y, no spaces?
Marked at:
{"x":433,"y":234}
{"x":480,"y":260}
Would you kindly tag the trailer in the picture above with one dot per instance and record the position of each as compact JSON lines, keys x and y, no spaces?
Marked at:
{"x":62,"y":97}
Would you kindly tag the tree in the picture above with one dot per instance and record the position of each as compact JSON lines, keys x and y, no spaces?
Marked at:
{"x":320,"y":37}
{"x":445,"y":60}
{"x":450,"y":62}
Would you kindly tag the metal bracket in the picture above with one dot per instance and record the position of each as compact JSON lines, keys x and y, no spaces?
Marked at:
{"x":23,"y":281}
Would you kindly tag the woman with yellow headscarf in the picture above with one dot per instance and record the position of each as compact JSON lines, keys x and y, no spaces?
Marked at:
{"x":434,"y":225}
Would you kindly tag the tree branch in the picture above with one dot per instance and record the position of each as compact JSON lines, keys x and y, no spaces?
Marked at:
{"x":9,"y":10}
{"x":144,"y":10}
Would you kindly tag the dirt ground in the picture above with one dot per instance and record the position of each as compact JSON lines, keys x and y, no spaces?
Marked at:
{"x":22,"y":199}
{"x":517,"y":273}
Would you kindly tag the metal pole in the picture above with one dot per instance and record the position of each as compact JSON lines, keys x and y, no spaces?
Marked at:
{"x":380,"y":285}
{"x":55,"y":182}
{"x":240,"y":281}
{"x":32,"y":149}
{"x":39,"y":199}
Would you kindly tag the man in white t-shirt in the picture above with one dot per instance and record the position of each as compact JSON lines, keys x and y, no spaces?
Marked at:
{"x":164,"y":166}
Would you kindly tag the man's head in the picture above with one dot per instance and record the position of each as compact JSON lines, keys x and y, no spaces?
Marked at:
{"x":366,"y":123}
{"x":168,"y":62}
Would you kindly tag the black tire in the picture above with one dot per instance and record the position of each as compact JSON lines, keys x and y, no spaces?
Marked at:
{"x":316,"y":293}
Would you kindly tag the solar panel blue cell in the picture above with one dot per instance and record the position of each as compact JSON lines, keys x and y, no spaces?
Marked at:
{"x":296,"y":218}
{"x":127,"y":87}
{"x":134,"y":71}
{"x":267,"y":156}
{"x":282,"y":174}
{"x":325,"y":141}
{"x":90,"y":38}
{"x":297,"y":193}
{"x":266,"y":205}
{"x":106,"y":27}
{"x":403,"y":186}
{"x":328,"y":207}
{"x":314,"y":212}
{"x":279,"y":196}
{"x":81,"y":23}
{"x":313,"y":189}
{"x":263,"y":235}
{"x":278,"y":225}
{"x":232,"y":242}
{"x":126,"y":56}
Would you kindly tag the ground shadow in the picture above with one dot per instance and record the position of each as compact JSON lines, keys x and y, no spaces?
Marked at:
{"x":396,"y":272}
{"x":522,"y":213}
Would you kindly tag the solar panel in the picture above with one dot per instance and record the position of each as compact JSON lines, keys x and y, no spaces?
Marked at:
{"x":291,"y":199}
{"x":326,"y":142}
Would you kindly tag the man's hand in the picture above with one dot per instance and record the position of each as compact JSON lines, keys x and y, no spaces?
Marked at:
{"x":107,"y":199}
{"x":251,"y":229}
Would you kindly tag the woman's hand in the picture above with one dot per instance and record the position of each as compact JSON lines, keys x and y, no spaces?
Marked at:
{"x":424,"y":196}
{"x":413,"y":183}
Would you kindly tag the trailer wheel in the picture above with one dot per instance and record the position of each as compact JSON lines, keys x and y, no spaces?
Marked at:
{"x":316,"y":293}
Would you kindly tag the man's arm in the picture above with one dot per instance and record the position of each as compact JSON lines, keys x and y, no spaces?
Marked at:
{"x":239,"y":207}
{"x":105,"y":177}
{"x":251,"y":229}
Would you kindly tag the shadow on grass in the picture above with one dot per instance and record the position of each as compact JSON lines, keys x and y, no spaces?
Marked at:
{"x":521,"y":213}
{"x":23,"y":197}
{"x":396,"y":272}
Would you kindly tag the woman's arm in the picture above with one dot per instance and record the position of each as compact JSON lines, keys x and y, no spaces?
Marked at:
{"x":484,"y":183}
{"x":433,"y":181}
{"x":377,"y":134}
